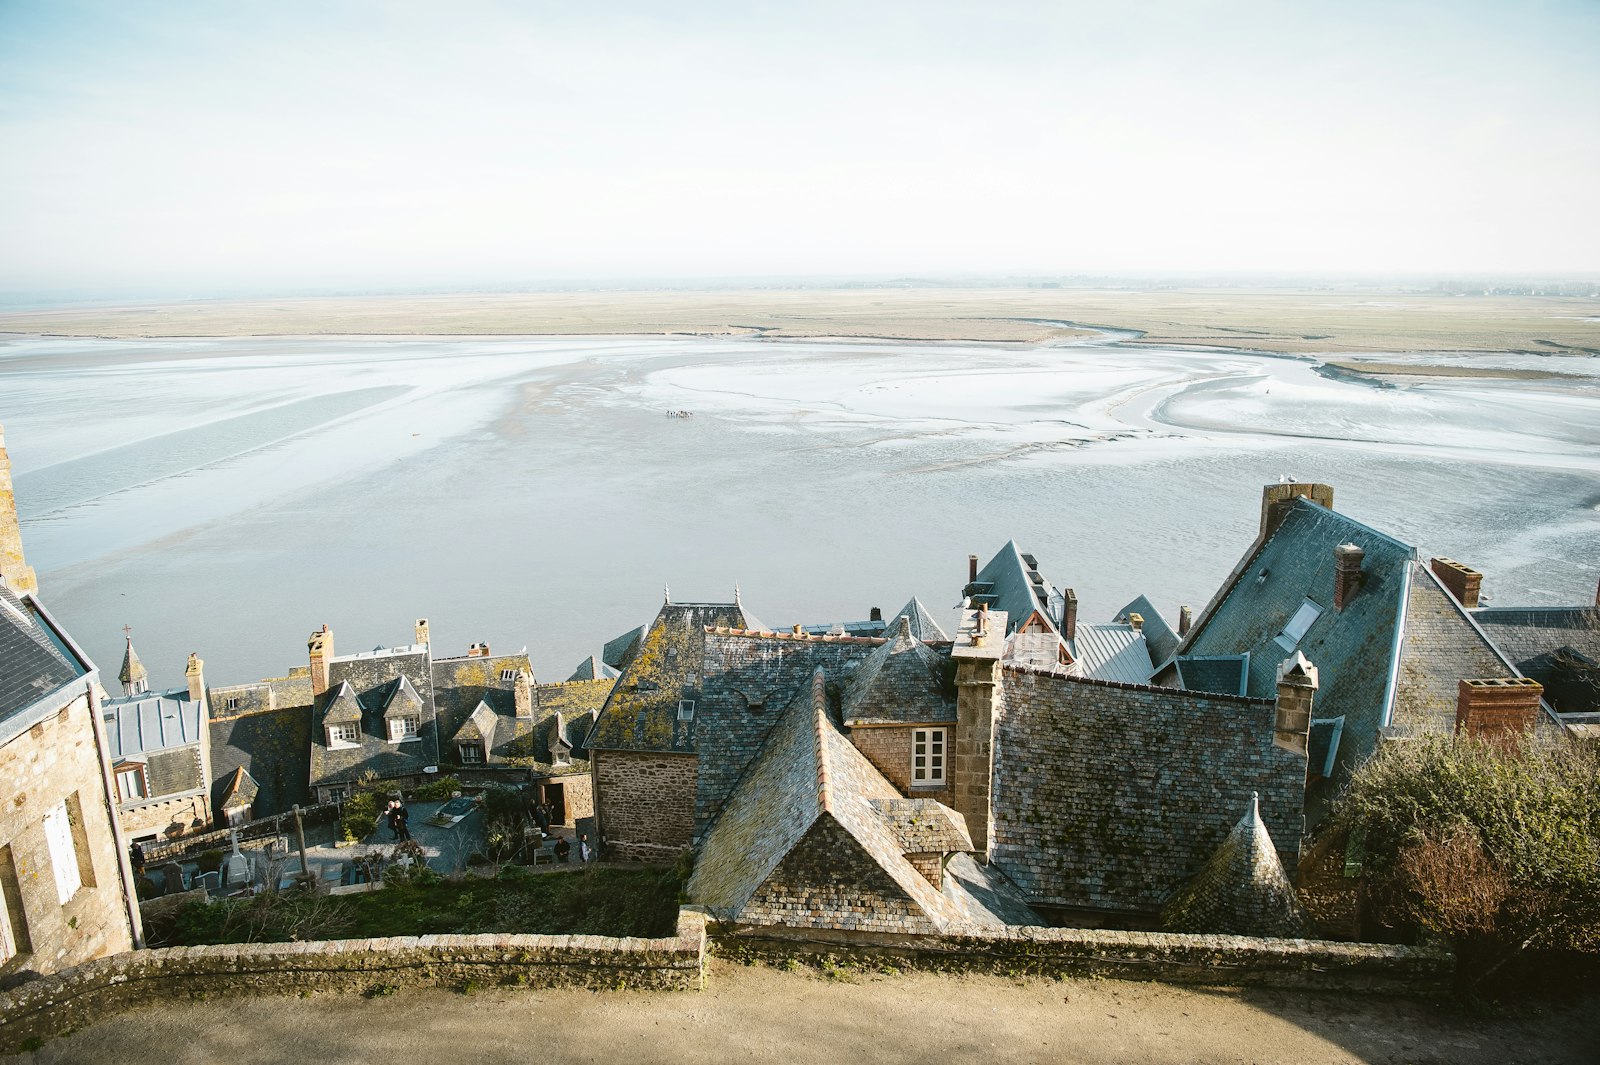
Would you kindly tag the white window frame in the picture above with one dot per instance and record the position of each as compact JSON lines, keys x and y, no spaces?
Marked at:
{"x":403,"y":729}
{"x":8,"y":941}
{"x":475,"y":748}
{"x":337,"y":735}
{"x":233,"y":702}
{"x":135,"y":772}
{"x":63,"y":851}
{"x":685,"y":709}
{"x":508,"y":674}
{"x":929,"y":750}
{"x":1298,"y":625}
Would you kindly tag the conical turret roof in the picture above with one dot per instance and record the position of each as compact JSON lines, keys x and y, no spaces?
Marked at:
{"x":1242,"y":889}
{"x":134,"y":677}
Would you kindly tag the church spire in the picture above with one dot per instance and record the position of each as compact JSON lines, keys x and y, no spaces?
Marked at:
{"x":135,"y":681}
{"x":14,"y":569}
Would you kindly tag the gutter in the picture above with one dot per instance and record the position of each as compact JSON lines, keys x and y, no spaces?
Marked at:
{"x":1391,"y":688}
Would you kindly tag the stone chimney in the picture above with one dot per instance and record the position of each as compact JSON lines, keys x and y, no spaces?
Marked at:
{"x":478,"y":650}
{"x":422,"y":632}
{"x":195,"y":673}
{"x":1275,"y":500}
{"x":1462,"y":581}
{"x":1499,"y":709}
{"x":876,"y":614}
{"x":1069,"y":615}
{"x":1297,"y":686}
{"x":1136,"y":622}
{"x":978,"y":689}
{"x":1346,"y":573}
{"x":522,"y":694}
{"x":972,"y":568}
{"x":1185,"y":620}
{"x":320,"y":648}
{"x":14,"y":568}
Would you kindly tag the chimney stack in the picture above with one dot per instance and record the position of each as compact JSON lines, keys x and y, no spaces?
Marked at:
{"x":1462,"y":581}
{"x":1499,"y":710}
{"x":1069,"y":615}
{"x":478,"y":650}
{"x":522,"y":695}
{"x":1346,"y":573}
{"x":876,"y":615}
{"x":196,"y":675}
{"x":1136,"y":622}
{"x":972,"y":568}
{"x":1275,"y":500}
{"x":320,"y":648}
{"x":1297,"y":687}
{"x":1185,"y":620}
{"x":422,"y":632}
{"x":14,"y":568}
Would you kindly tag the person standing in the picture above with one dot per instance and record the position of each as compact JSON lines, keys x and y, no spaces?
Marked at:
{"x":563,"y":849}
{"x":136,"y":856}
{"x":402,"y":821}
{"x":585,"y":852}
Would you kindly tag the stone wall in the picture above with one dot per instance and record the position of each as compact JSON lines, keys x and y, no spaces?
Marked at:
{"x":646,"y":803}
{"x":58,"y":1004}
{"x":888,"y":748}
{"x":1086,"y":952}
{"x":56,"y":761}
{"x":168,"y":818}
{"x":577,"y":791}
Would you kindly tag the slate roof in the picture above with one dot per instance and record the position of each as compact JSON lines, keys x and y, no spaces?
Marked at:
{"x":1011,"y":582}
{"x":618,"y":652}
{"x":238,"y":790}
{"x":1219,"y":674}
{"x":1354,"y":649}
{"x":155,"y":721}
{"x":33,"y":663}
{"x":811,"y":792}
{"x":133,"y":671}
{"x":1549,"y":645}
{"x":1439,"y":648}
{"x":1112,"y":652}
{"x":270,"y":694}
{"x":577,"y":704}
{"x":1241,"y":891}
{"x":641,"y":714}
{"x":901,"y":682}
{"x":461,"y":684}
{"x":1159,"y":637}
{"x":592,"y":668}
{"x":367,"y":682}
{"x":923,"y":625}
{"x":271,"y":745}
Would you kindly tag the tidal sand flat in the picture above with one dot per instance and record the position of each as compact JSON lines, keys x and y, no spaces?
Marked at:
{"x":227,"y":496}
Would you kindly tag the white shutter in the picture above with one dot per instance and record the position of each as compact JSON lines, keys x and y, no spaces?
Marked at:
{"x":63,"y":856}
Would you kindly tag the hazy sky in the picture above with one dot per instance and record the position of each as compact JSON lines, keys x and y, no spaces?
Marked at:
{"x":281,"y":144}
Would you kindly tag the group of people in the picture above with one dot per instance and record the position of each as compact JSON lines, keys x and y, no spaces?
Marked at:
{"x":398,"y":819}
{"x":563,"y":849}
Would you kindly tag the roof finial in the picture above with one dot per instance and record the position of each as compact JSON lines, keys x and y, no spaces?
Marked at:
{"x":1255,"y":804}
{"x":666,"y":594}
{"x":736,"y":595}
{"x":127,"y":632}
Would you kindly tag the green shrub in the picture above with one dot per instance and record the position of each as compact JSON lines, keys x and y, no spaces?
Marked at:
{"x":436,"y":790}
{"x":209,"y":861}
{"x":359,"y":816}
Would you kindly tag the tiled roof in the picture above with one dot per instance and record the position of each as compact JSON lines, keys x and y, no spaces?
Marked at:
{"x":1218,"y":674}
{"x":642,"y":712}
{"x":1353,"y":648}
{"x":271,"y":746}
{"x":1241,"y":891}
{"x":923,"y":826}
{"x":1439,"y":648}
{"x":371,"y":680}
{"x":344,"y":707}
{"x":32,"y":665}
{"x":801,"y":835}
{"x":1010,"y":583}
{"x":901,"y":682}
{"x":1035,"y":650}
{"x":1112,"y":652}
{"x":1550,"y":645}
{"x":155,"y":721}
{"x":1158,"y":635}
{"x":592,"y":668}
{"x":461,"y":684}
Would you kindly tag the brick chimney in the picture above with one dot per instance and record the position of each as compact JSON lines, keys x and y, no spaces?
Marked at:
{"x":422,"y":632}
{"x":320,"y":648}
{"x":478,"y":650}
{"x":14,"y":568}
{"x":1297,"y":687}
{"x":1275,"y":500}
{"x":1185,"y":620}
{"x":1499,"y":709}
{"x":1346,"y":573}
{"x":1069,"y":615}
{"x":876,"y":615}
{"x":522,"y":694}
{"x":1462,"y":581}
{"x":972,"y":568}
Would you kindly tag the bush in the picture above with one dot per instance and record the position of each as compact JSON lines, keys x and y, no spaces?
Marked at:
{"x":436,"y":790}
{"x":209,"y":861}
{"x":1496,"y":850}
{"x":359,"y":816}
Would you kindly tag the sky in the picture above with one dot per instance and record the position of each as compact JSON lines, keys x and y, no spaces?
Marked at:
{"x":286,"y":146}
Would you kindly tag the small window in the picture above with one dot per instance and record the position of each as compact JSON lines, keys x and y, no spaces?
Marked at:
{"x":343,"y":735}
{"x":338,"y":794}
{"x":471,"y":753}
{"x":927,"y":757}
{"x":562,"y":757}
{"x":233,"y":702}
{"x":508,"y":674}
{"x":402,"y":728}
{"x":63,"y":856}
{"x":130,"y":783}
{"x":1298,"y":625}
{"x":685,"y":709}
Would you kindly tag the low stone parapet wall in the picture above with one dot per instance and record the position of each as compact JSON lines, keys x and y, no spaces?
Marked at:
{"x":1094,"y":952}
{"x":57,"y":1004}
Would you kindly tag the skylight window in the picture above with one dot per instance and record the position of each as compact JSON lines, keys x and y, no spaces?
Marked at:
{"x":1299,"y":625}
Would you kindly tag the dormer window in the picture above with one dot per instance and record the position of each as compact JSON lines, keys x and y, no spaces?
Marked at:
{"x":343,"y":735}
{"x":562,"y":756}
{"x":233,"y":702}
{"x":402,"y":729}
{"x":471,"y":753}
{"x":508,"y":674}
{"x":1299,"y":625}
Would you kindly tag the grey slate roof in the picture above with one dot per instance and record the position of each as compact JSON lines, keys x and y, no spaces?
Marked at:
{"x":923,"y":624}
{"x":461,"y":684}
{"x":271,"y":746}
{"x":132,"y":671}
{"x":1112,"y":652}
{"x":1158,"y":635}
{"x":1549,"y":644}
{"x":592,"y":668}
{"x":154,"y":721}
{"x":642,"y":712}
{"x":1241,"y":891}
{"x":901,"y":682}
{"x":367,"y":681}
{"x":32,"y":663}
{"x":237,"y":790}
{"x":1219,"y":674}
{"x":1354,"y":649}
{"x":618,"y":652}
{"x":1439,"y":648}
{"x":1011,"y":583}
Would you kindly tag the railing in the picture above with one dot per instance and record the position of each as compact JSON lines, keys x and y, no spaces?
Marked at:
{"x":221,"y":839}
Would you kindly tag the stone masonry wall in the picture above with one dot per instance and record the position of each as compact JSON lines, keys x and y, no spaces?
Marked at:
{"x":159,"y":817}
{"x":1092,"y":952}
{"x":55,"y":761}
{"x":888,"y":748}
{"x":61,"y":1003}
{"x":646,"y":803}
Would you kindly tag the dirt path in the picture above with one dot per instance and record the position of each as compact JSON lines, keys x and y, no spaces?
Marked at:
{"x":759,"y":1014}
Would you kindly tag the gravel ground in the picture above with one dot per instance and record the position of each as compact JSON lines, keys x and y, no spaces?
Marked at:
{"x":760,"y":1014}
